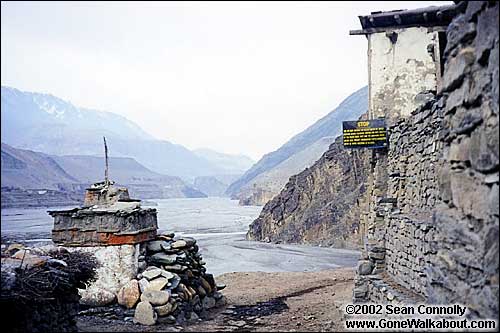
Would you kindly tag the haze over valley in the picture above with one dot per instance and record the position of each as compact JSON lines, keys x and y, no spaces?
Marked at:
{"x":61,"y":150}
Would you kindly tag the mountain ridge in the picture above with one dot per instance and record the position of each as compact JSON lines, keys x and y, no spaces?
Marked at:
{"x":329,"y":125}
{"x":54,"y":126}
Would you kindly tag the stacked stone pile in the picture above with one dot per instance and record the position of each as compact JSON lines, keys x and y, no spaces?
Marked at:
{"x":172,"y":285}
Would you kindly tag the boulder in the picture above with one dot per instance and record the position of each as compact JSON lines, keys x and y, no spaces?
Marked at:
{"x":178,"y":244}
{"x":365,"y":267}
{"x":156,"y":284}
{"x":163,"y":310}
{"x":145,"y":314}
{"x":167,"y":275}
{"x":13,"y":248}
{"x":95,"y":296}
{"x":208,"y":303}
{"x":165,"y":259}
{"x":129,"y":294}
{"x":143,"y":284}
{"x":156,"y":246}
{"x":150,"y":274}
{"x":155,"y":297}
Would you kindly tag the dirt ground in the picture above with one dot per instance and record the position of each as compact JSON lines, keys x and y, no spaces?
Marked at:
{"x":290,"y":301}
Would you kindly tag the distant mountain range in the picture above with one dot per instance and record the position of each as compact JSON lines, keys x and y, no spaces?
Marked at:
{"x":268,"y":176}
{"x":230,"y":164}
{"x":27,"y":170}
{"x":48,"y":124}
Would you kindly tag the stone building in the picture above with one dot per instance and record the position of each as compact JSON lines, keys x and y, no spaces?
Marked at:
{"x":405,"y":50}
{"x":112,"y":226}
{"x":431,"y":205}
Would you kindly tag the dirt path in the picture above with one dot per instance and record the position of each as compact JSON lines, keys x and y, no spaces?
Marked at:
{"x":291,"y":301}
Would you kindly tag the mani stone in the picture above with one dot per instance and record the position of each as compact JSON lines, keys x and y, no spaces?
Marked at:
{"x":163,"y":310}
{"x":178,"y":244}
{"x":145,"y":314}
{"x":150,"y":274}
{"x":155,"y":297}
{"x":166,"y":274}
{"x":129,"y":294}
{"x":155,"y":246}
{"x":174,"y":268}
{"x":143,"y":284}
{"x":156,"y":284}
{"x":163,"y":258}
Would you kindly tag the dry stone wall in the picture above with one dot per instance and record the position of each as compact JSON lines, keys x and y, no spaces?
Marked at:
{"x":465,"y":268}
{"x":434,"y":236}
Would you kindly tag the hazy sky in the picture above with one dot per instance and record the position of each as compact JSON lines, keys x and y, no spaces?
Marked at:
{"x":236,"y":77}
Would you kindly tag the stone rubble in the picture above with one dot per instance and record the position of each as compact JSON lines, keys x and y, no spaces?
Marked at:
{"x":172,"y":285}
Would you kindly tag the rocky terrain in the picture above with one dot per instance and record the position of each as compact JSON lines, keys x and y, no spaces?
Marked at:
{"x":298,"y":153}
{"x":317,"y":206}
{"x":266,"y":185}
{"x":210,"y":185}
{"x":257,"y":301}
{"x":231,"y":164}
{"x":28,"y":169}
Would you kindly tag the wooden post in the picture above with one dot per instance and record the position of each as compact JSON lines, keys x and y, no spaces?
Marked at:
{"x":106,"y":175}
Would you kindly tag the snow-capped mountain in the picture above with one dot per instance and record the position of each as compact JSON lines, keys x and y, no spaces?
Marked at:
{"x":48,"y":124}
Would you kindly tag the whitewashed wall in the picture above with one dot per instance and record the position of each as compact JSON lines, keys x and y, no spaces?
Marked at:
{"x":399,"y":71}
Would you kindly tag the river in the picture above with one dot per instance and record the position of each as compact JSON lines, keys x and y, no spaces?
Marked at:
{"x":218,"y":224}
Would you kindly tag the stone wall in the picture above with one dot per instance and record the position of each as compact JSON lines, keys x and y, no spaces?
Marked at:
{"x":465,"y":268}
{"x":399,"y":64}
{"x":402,"y":192}
{"x":118,"y":264}
{"x":434,"y":237}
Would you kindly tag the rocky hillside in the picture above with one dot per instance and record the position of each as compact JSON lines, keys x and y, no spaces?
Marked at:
{"x":141,"y":182}
{"x":48,"y":124}
{"x":266,"y":185}
{"x":230,"y":164}
{"x":31,"y":179}
{"x":310,"y":144}
{"x":210,"y":185}
{"x":317,"y":206}
{"x":29,"y":169}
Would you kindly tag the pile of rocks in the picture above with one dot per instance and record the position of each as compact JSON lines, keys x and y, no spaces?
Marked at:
{"x":172,"y":285}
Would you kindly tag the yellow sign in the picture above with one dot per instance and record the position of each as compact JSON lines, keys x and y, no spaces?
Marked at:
{"x":365,"y":134}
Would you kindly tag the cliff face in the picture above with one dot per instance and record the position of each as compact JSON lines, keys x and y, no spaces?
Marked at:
{"x":210,"y":185}
{"x":319,"y":205}
{"x":273,"y":170}
{"x":266,"y":185}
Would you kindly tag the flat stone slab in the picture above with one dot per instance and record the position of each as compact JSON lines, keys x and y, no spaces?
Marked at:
{"x":165,"y":259}
{"x":152,"y":273}
{"x":157,"y":284}
{"x":156,"y":297}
